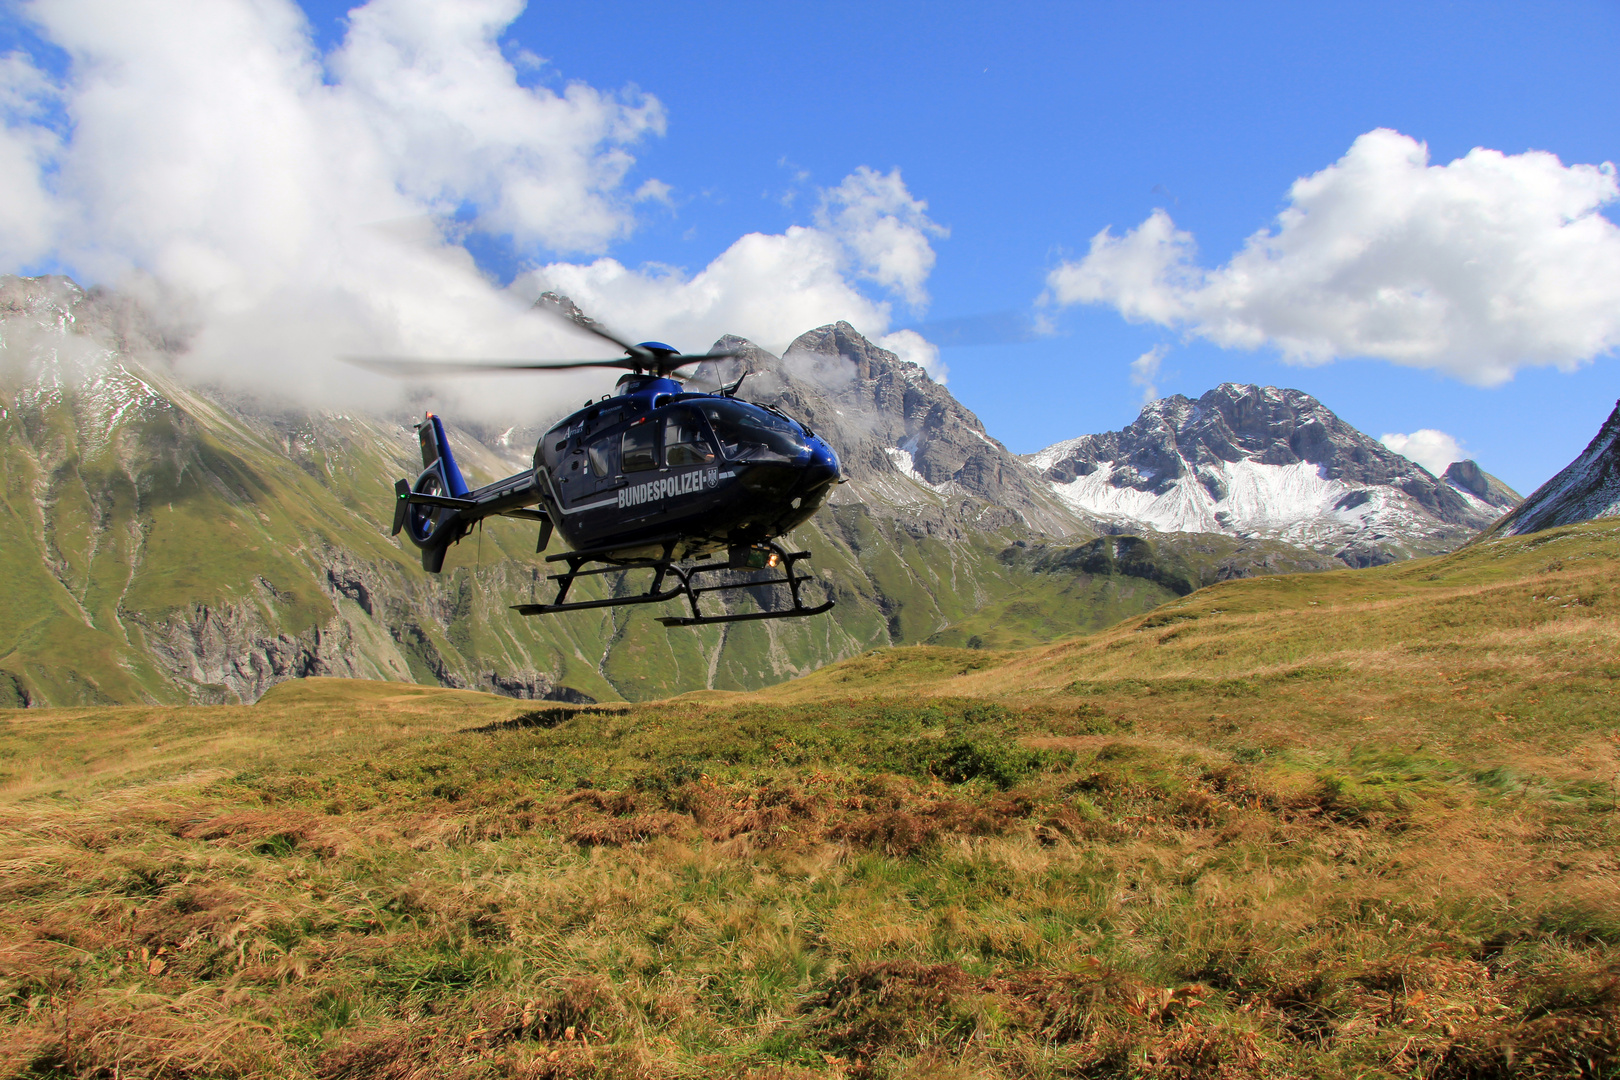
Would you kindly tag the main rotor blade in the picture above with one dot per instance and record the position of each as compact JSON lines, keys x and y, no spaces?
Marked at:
{"x":404,"y":366}
{"x":584,"y":322}
{"x":682,"y":359}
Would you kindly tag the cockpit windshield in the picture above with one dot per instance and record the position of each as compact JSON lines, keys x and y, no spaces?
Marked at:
{"x":750,"y":433}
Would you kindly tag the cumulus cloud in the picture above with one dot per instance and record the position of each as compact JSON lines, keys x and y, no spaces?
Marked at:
{"x":27,"y":146}
{"x":770,"y":288}
{"x":911,"y":346}
{"x":1434,"y":450}
{"x":1145,"y":372}
{"x":884,"y":229}
{"x":284,"y":207}
{"x":1477,"y":268}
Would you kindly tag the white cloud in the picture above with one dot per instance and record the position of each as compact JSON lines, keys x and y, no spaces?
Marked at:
{"x":1432,"y":449}
{"x":884,"y":229}
{"x":285,"y":208}
{"x":767,"y":288}
{"x":1145,"y":372}
{"x":432,"y":83}
{"x":770,"y":288}
{"x":27,"y":145}
{"x":1476,"y":268}
{"x":215,"y":169}
{"x":913,"y":347}
{"x":654,"y":191}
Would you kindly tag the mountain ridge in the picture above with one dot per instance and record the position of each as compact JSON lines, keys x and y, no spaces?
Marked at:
{"x":169,"y":542}
{"x":1586,"y":488}
{"x":1253,"y":461}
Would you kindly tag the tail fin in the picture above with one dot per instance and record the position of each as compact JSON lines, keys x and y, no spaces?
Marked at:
{"x":436,"y":448}
{"x":432,"y":529}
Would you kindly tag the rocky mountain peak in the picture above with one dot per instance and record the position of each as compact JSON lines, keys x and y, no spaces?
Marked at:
{"x":50,"y":295}
{"x":1587,"y":488}
{"x":904,"y":440}
{"x":1468,"y":478}
{"x":1261,"y":461}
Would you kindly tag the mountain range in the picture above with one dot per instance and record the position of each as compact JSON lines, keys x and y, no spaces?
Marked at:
{"x":170,"y":542}
{"x":1258,"y":461}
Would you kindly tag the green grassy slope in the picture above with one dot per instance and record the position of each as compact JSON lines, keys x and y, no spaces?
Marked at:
{"x":1061,"y":591}
{"x":1356,"y":824}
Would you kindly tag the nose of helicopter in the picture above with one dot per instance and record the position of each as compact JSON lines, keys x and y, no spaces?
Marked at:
{"x":822,"y":468}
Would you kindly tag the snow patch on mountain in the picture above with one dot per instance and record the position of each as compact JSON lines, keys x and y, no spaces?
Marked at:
{"x":907,"y":465}
{"x":1042,"y":460}
{"x":1265,"y":462}
{"x":1295,"y":503}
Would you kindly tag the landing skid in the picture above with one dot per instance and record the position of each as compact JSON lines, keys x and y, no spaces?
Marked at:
{"x":768,"y":555}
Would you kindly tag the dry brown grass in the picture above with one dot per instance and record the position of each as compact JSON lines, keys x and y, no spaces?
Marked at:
{"x":1373,"y":837}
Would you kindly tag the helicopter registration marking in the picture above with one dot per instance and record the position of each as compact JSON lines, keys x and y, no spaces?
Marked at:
{"x":684,"y":484}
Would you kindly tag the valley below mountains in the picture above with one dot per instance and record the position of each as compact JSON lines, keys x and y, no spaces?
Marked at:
{"x":170,"y":543}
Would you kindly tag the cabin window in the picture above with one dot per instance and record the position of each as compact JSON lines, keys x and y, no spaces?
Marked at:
{"x":685,"y":441}
{"x":639,"y":449}
{"x":749,"y":433}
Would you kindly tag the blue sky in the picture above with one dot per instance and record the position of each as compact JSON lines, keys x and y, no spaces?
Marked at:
{"x":1027,"y":129}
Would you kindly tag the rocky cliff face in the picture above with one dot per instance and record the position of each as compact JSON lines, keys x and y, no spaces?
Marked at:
{"x":1470,"y":480}
{"x":1252,"y":461}
{"x":1587,"y":488}
{"x":904,"y":441}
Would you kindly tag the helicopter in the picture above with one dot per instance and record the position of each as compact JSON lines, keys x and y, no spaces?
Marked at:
{"x":686,"y":484}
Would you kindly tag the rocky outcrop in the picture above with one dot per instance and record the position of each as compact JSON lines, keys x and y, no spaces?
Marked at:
{"x":230,"y":654}
{"x":532,"y":686}
{"x":907,"y":445}
{"x":1586,"y":488}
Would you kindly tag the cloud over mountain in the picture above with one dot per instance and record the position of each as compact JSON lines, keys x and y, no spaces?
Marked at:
{"x":1432,"y":449}
{"x":1476,"y":268}
{"x":762,"y":285}
{"x":211,"y":159}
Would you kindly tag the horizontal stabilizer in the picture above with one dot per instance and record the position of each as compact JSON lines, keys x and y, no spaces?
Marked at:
{"x":423,"y":499}
{"x":402,"y":505}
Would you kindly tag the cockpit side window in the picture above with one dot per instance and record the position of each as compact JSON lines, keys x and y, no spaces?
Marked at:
{"x":600,"y":454}
{"x":686,"y":440}
{"x":638,"y":450}
{"x":748,"y":432}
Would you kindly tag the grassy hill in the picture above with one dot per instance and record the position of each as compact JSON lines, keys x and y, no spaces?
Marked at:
{"x":1359,"y":823}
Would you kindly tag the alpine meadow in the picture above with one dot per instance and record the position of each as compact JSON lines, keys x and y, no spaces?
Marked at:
{"x":1359,"y":822}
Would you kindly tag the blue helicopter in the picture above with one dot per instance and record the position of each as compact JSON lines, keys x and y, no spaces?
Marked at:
{"x":691,"y":486}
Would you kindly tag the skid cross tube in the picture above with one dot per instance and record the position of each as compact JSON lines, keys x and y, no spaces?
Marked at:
{"x":684,"y":576}
{"x":576,"y":560}
{"x":790,"y":578}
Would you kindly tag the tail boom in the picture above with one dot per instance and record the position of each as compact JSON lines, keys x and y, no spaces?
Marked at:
{"x":438,"y":510}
